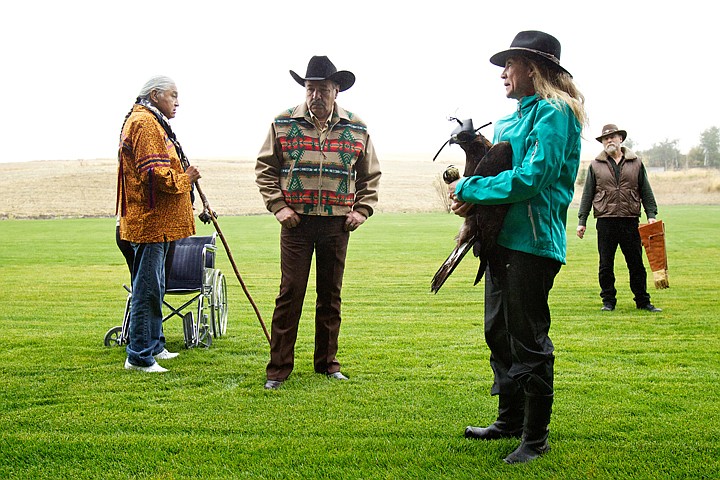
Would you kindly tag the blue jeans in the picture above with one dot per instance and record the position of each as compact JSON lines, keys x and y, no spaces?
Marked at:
{"x":148,"y":289}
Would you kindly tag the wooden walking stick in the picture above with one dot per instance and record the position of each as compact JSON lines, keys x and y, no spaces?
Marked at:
{"x":208,"y":215}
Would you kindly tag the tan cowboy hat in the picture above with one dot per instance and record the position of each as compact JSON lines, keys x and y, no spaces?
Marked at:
{"x":321,"y":68}
{"x":535,"y":45}
{"x":611,"y":129}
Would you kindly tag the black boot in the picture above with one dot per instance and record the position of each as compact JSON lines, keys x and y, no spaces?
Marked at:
{"x":509,"y":423}
{"x":535,"y":432}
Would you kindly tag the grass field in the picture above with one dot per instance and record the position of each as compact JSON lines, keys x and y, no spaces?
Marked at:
{"x":637,"y":394}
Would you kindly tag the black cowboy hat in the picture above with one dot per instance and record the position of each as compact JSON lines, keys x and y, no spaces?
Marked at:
{"x":611,"y":129}
{"x":535,"y":45}
{"x":321,"y":68}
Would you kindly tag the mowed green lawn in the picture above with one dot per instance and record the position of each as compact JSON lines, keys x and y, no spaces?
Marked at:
{"x":637,"y":394}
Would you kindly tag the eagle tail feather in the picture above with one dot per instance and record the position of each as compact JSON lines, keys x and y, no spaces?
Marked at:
{"x":452,"y":261}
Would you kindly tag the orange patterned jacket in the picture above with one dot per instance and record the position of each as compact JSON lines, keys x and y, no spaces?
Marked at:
{"x":153,"y":192}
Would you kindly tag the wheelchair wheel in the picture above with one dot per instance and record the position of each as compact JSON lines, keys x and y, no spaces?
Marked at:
{"x":113,"y":337}
{"x":219,"y":305}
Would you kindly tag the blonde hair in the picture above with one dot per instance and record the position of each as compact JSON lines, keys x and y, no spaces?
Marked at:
{"x":557,"y":87}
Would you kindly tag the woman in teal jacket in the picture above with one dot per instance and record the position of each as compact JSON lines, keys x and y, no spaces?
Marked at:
{"x":544,"y":133}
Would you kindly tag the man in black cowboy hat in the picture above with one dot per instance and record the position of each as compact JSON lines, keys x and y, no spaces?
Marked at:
{"x":615,"y":186}
{"x":318,"y":173}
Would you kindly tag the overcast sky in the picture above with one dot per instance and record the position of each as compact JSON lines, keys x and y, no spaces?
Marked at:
{"x":71,"y":70}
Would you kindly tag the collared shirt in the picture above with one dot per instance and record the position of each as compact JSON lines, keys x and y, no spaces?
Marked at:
{"x":617,"y":166}
{"x":323,"y":128}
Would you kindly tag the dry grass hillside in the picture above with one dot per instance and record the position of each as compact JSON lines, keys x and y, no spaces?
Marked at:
{"x":86,"y":188}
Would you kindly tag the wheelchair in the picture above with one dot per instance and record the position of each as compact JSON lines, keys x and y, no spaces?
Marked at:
{"x":193,"y":273}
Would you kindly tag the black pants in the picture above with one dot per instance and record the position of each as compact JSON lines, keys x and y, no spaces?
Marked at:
{"x":612,"y":232}
{"x":326,"y":238}
{"x":517,"y":322}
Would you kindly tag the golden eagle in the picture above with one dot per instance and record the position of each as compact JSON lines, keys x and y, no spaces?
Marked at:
{"x":482,"y":226}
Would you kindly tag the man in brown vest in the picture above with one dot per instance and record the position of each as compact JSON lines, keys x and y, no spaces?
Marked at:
{"x":616,"y":185}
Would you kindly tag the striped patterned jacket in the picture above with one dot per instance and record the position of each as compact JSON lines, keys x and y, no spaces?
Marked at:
{"x":328,"y":176}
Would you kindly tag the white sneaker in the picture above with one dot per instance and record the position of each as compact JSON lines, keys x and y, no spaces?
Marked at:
{"x":165,"y":355}
{"x":154,"y":368}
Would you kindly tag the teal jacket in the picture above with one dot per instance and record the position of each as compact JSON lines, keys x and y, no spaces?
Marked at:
{"x":546,"y":156}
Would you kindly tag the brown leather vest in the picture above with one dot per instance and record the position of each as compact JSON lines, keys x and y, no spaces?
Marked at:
{"x":615,"y":198}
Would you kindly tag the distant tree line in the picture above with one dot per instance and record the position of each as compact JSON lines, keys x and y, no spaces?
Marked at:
{"x":666,"y":154}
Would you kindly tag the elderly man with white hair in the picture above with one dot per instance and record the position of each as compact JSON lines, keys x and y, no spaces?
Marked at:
{"x":154,"y":208}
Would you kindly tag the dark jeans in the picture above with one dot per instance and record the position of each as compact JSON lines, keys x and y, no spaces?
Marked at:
{"x":517,"y":322}
{"x":326,"y":238}
{"x":148,"y":287}
{"x":127,"y":250}
{"x":612,"y":232}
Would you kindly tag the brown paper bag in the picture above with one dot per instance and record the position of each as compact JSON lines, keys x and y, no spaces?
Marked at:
{"x":653,"y":239}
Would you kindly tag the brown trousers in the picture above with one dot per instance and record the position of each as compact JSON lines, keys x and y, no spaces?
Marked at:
{"x":327,"y":239}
